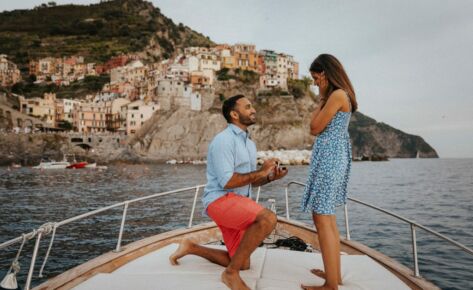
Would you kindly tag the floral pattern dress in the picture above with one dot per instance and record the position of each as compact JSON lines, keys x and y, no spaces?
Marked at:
{"x":329,"y":169}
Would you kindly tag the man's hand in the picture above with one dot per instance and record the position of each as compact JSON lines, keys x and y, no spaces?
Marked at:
{"x":256,"y":178}
{"x":269,"y":166}
{"x":279,"y":172}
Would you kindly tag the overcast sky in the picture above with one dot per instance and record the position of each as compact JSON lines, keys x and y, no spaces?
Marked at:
{"x":411,"y":62}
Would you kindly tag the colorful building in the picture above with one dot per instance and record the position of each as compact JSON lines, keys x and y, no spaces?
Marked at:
{"x":9,"y":72}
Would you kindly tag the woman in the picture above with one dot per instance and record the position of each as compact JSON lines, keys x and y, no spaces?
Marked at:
{"x":331,"y":161}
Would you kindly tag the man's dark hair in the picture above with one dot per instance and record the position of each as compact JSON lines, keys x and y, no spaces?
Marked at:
{"x":229,"y":105}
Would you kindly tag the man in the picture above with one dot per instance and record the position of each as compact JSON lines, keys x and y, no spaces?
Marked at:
{"x":231,"y":172}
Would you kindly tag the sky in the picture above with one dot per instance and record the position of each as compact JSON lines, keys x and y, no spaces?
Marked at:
{"x":411,"y":62}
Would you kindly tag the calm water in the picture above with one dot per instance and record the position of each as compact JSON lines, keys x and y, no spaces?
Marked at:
{"x":436,"y":193}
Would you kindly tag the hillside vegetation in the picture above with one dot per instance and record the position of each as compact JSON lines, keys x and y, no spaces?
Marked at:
{"x":97,"y":31}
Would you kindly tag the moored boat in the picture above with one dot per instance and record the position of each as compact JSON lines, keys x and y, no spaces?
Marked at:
{"x":51,"y":164}
{"x":78,"y":165}
{"x":91,"y":165}
{"x":16,"y":165}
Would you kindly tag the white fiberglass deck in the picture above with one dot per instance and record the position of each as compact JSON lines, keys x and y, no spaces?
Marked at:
{"x":271,"y":269}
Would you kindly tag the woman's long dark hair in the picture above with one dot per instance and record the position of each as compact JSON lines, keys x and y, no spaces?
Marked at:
{"x":336,"y":76}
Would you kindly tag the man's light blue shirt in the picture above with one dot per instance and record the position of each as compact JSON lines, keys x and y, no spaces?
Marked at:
{"x":231,"y":151}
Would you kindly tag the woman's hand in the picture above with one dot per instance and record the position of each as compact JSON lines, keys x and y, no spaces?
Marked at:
{"x":322,"y":116}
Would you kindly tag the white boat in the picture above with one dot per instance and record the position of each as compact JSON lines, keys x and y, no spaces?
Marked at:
{"x":51,"y":164}
{"x":144,"y":264}
{"x":16,"y":165}
{"x":91,"y":165}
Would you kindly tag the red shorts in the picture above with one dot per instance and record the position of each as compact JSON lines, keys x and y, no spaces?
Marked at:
{"x":233,"y":214}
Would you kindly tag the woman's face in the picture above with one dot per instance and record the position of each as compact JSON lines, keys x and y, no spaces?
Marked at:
{"x":319,"y":79}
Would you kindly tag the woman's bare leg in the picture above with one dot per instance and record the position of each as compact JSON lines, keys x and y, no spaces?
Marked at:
{"x":328,"y":247}
{"x":321,"y":273}
{"x":337,"y":243}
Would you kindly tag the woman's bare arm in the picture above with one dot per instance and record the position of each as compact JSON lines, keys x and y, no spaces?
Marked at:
{"x":321,"y":119}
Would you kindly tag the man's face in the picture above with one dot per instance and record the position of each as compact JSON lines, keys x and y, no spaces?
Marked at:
{"x":245,"y":111}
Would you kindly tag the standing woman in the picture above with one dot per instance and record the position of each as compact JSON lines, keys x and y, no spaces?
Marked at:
{"x":330,"y":163}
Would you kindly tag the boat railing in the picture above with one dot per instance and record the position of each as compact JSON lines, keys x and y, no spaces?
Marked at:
{"x":51,"y":227}
{"x":413,"y":225}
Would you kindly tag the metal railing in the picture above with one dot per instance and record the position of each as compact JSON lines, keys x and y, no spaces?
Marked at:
{"x":413,"y":225}
{"x":47,"y":228}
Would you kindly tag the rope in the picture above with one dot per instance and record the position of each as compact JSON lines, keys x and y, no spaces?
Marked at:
{"x":9,"y":281}
{"x":294,"y":243}
{"x":15,"y":265}
{"x":48,"y":228}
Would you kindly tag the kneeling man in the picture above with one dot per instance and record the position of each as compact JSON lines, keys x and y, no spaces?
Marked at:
{"x":231,"y":172}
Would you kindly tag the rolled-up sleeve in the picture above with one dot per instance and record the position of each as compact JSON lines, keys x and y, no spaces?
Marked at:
{"x":223,"y":160}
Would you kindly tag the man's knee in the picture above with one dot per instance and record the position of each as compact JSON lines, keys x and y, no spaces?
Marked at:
{"x":267,"y":218}
{"x":246,"y":265}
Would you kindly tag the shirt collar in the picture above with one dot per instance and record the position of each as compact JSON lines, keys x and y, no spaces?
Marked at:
{"x":238,"y":131}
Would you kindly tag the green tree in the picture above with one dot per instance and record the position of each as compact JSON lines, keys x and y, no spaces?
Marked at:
{"x":66,"y":125}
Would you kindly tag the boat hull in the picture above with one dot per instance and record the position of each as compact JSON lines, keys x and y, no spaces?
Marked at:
{"x":77,"y":165}
{"x":52,"y":165}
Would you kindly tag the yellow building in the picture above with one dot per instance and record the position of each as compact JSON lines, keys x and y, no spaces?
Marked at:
{"x":245,"y":56}
{"x":9,"y":72}
{"x":42,"y":108}
{"x":90,"y":117}
{"x":225,"y":54}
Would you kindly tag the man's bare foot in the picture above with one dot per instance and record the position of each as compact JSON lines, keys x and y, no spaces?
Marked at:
{"x":233,"y":280}
{"x":323,"y":287}
{"x":183,"y":249}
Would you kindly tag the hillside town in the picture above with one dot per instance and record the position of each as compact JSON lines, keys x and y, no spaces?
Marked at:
{"x":137,"y":89}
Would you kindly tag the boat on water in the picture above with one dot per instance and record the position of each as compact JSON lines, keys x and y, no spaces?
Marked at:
{"x":51,"y":164}
{"x":78,"y":165}
{"x":95,"y":166}
{"x":283,"y":261}
{"x":91,"y":165}
{"x":16,"y":165}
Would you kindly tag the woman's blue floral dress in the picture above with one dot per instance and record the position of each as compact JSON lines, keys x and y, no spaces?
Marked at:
{"x":330,"y":166}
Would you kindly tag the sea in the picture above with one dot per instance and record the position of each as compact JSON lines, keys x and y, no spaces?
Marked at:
{"x":437,"y":193}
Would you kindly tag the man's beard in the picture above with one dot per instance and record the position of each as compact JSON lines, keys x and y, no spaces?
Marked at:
{"x":246,"y":120}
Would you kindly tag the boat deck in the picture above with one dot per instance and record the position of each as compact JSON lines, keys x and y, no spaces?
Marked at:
{"x":271,"y":269}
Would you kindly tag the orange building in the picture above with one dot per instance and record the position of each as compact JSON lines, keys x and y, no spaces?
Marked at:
{"x":90,"y":117}
{"x":245,"y":56}
{"x":199,"y":79}
{"x":225,"y":54}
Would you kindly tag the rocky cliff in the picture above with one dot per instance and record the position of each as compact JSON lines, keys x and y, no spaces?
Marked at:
{"x":283,"y":123}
